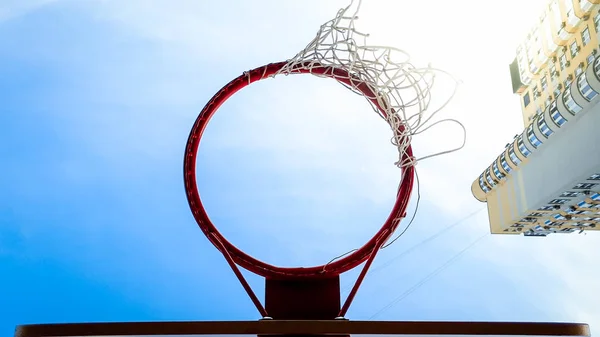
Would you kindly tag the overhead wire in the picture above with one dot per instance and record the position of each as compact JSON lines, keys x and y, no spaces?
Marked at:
{"x":427,"y":278}
{"x":422,"y":242}
{"x":399,"y":235}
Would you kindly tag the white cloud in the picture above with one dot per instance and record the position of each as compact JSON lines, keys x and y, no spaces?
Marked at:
{"x":13,"y":8}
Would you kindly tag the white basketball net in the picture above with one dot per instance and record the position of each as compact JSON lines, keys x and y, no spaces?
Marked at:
{"x":403,"y":90}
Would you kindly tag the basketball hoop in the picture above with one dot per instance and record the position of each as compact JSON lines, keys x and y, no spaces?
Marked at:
{"x":397,"y":91}
{"x":241,"y":258}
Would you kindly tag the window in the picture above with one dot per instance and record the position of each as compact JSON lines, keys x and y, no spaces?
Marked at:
{"x":488,"y":177}
{"x":536,"y":214}
{"x":590,"y":59}
{"x":532,"y":66}
{"x":526,"y":100}
{"x":556,"y":92}
{"x":595,"y":197}
{"x":584,"y":186}
{"x":513,"y":157}
{"x":557,"y":118}
{"x":559,"y":217}
{"x":553,"y":72}
{"x":594,"y":177}
{"x":597,"y":67}
{"x":569,"y":8}
{"x":562,"y":60}
{"x":538,"y":111}
{"x":533,"y":139}
{"x":544,"y":82}
{"x":569,"y":194}
{"x":574,"y":49}
{"x":584,"y":87}
{"x":548,"y":208}
{"x":482,"y":184}
{"x":505,"y":165}
{"x":578,"y":71}
{"x":558,"y":201}
{"x":497,"y":171}
{"x":585,"y":36}
{"x":597,"y":22}
{"x":534,"y":91}
{"x":522,"y":148}
{"x":583,"y":204}
{"x":573,"y":107}
{"x":544,"y":129}
{"x":535,"y":234}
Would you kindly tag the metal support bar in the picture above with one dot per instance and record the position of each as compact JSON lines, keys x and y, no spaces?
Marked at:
{"x":241,"y":278}
{"x":361,"y":277}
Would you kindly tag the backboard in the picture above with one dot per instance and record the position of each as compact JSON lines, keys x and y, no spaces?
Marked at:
{"x":304,"y":327}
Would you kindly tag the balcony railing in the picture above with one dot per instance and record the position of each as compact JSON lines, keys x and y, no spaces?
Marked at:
{"x":585,"y":5}
{"x":573,"y":20}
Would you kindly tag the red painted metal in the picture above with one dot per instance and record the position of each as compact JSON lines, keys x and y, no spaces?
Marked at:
{"x":305,"y":298}
{"x":360,"y":279}
{"x":238,"y":256}
{"x":303,"y":328}
{"x":242,"y":279}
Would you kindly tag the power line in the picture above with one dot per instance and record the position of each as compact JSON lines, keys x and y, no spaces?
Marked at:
{"x":427,"y":278}
{"x":398,"y":236}
{"x":424,"y":241}
{"x":445,"y":229}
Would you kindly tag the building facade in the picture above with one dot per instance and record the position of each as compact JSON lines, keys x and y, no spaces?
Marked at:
{"x":547,"y":179}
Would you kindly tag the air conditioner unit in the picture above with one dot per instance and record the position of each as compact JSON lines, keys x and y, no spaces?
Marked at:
{"x":568,"y":63}
{"x":581,"y":64}
{"x":563,"y":24}
{"x":564,"y":48}
{"x":586,"y":16}
{"x":559,"y":86}
{"x":594,"y":51}
{"x":538,"y":94}
{"x":570,"y":77}
{"x":587,"y":192}
{"x":553,"y":58}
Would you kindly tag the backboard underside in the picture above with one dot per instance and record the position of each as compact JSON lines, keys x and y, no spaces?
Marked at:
{"x":304,"y":327}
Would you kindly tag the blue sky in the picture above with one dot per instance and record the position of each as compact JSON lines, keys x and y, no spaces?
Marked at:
{"x":97,"y":101}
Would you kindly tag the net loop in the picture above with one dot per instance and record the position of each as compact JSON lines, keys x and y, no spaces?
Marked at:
{"x":402,"y":92}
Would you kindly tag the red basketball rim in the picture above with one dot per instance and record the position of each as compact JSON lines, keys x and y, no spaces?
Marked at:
{"x":239,"y":257}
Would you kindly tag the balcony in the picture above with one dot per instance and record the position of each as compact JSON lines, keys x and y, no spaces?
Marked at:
{"x":585,"y":5}
{"x":563,"y":34}
{"x":549,"y":42}
{"x":573,"y":20}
